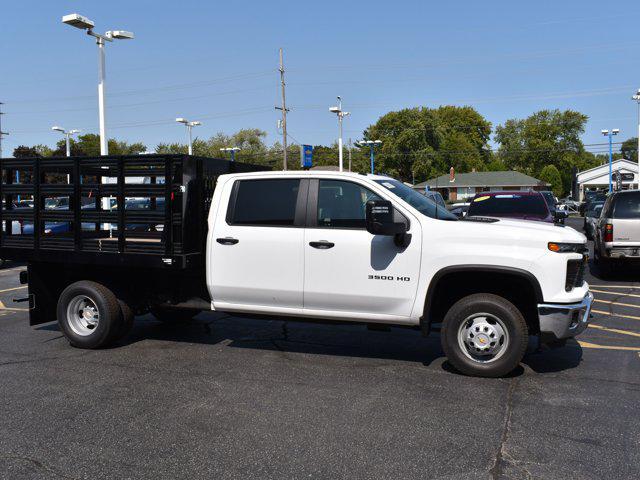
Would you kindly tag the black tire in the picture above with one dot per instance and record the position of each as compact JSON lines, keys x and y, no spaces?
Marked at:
{"x":173,"y":315}
{"x":127,"y":321}
{"x":498,"y":307}
{"x":109,"y":315}
{"x":603,"y":264}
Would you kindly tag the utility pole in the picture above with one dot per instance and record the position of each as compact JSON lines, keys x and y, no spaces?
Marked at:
{"x":1,"y":132}
{"x":349,"y":154}
{"x":284,"y":114}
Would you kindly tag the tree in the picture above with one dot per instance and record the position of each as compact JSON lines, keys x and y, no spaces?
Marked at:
{"x":418,"y":143}
{"x":88,"y":145}
{"x":548,"y":137}
{"x":550,"y":174}
{"x":629,"y":149}
{"x":23,"y":151}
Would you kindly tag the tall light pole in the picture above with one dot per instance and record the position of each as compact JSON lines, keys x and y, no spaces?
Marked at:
{"x":338,"y":111}
{"x":636,"y":97}
{"x":189,"y":126}
{"x":372,"y":145}
{"x":232,"y":151}
{"x":67,"y":134}
{"x":610,"y":134}
{"x":84,"y":23}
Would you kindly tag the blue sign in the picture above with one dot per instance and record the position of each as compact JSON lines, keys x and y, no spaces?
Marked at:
{"x":306,"y":156}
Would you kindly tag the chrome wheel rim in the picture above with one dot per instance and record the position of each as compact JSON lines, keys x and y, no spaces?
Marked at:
{"x":83,"y":315}
{"x":483,"y":337}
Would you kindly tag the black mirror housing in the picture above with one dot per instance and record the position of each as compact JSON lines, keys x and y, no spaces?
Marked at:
{"x":380,"y":219}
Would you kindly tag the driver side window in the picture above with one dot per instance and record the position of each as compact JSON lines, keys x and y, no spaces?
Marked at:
{"x":342,"y":204}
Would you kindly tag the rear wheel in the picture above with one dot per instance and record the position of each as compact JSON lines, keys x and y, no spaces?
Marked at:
{"x":484,"y":335}
{"x":89,"y":315}
{"x":127,"y":320}
{"x":173,"y":315}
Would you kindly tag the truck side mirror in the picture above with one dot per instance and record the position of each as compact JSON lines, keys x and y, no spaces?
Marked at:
{"x":559,"y":216}
{"x":380,"y":221}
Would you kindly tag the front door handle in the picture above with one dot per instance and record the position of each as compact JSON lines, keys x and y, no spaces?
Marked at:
{"x":227,"y":241}
{"x":322,"y":245}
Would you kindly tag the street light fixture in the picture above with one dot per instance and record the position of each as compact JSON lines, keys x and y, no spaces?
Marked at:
{"x":232,"y":151}
{"x":83,"y":23}
{"x":67,"y":134}
{"x":338,"y":111}
{"x":189,"y":126}
{"x":372,"y":145}
{"x":610,"y":134}
{"x":636,"y":97}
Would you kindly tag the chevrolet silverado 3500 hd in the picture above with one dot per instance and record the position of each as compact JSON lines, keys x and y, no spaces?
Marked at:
{"x":309,"y":245}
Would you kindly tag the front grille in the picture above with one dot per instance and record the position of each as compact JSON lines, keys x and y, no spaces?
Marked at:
{"x":575,"y":273}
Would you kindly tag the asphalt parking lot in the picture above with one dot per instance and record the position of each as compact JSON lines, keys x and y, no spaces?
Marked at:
{"x":226,"y":397}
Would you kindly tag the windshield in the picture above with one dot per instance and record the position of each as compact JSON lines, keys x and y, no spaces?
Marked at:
{"x":511,"y":205}
{"x":418,"y":201}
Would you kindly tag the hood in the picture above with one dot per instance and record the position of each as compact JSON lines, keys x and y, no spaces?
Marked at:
{"x":531,"y":229}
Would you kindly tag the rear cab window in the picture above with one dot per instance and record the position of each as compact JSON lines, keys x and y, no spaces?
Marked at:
{"x":268,"y":202}
{"x":627,"y":205}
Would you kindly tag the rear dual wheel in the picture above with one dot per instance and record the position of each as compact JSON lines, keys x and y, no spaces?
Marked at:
{"x":90,"y":315}
{"x":484,"y":335}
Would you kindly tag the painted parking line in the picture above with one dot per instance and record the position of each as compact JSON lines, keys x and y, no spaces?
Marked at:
{"x":615,"y":314}
{"x":14,"y":269}
{"x":12,"y":289}
{"x":608,"y":302}
{"x":607,"y":347}
{"x":12,"y":309}
{"x":617,"y":293}
{"x":615,"y":330}
{"x":614,"y":286}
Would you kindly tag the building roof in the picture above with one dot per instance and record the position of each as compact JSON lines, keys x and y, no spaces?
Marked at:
{"x":603,"y":170}
{"x":483,"y":179}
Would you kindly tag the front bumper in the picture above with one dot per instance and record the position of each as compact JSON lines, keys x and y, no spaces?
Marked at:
{"x":565,"y":320}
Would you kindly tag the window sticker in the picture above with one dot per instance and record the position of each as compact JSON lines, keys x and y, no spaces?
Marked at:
{"x":507,"y":196}
{"x":388,"y":185}
{"x":479,"y":199}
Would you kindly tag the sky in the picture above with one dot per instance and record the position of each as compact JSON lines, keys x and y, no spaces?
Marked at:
{"x":217,"y":62}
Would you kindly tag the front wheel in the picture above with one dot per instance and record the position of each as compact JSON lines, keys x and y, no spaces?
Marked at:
{"x":484,"y":335}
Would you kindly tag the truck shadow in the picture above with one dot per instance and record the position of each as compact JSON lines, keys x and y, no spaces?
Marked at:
{"x":338,"y":340}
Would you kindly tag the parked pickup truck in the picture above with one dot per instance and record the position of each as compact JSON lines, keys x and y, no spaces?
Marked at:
{"x":309,"y":245}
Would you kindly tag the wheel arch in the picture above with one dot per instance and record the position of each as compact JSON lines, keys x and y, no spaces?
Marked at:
{"x":452,"y":283}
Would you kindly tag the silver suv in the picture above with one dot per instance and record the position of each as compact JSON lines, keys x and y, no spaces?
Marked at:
{"x":617,"y":232}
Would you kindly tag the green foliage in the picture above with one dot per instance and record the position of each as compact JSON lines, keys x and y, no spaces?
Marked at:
{"x":419,"y":143}
{"x":23,"y":151}
{"x":88,"y":145}
{"x":629,"y":149}
{"x":550,"y":174}
{"x":548,"y":137}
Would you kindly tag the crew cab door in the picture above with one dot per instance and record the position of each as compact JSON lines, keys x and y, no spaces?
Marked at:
{"x":255,"y":256}
{"x":349,"y":272}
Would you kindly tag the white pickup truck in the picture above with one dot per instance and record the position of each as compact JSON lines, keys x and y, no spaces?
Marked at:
{"x":329,"y":246}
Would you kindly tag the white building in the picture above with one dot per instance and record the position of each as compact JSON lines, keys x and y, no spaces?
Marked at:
{"x":597,"y":178}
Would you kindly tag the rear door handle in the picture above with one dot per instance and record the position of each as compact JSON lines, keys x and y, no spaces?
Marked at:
{"x":227,"y":241}
{"x":322,"y":245}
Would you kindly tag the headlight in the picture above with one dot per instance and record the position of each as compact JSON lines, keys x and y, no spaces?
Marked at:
{"x":567,"y":247}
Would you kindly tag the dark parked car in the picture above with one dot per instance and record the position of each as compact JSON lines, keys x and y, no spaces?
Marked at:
{"x":591,"y":196}
{"x":591,"y":216}
{"x":554,"y":207}
{"x":516,"y":205}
